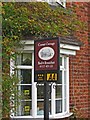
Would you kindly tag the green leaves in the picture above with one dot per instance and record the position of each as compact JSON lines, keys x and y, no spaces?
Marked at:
{"x":45,"y":21}
{"x":38,"y":19}
{"x":9,"y":91}
{"x":14,"y":19}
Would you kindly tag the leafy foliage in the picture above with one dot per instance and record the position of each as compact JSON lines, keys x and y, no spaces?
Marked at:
{"x":13,"y":22}
{"x":37,"y":19}
{"x":9,"y":93}
{"x":47,"y":22}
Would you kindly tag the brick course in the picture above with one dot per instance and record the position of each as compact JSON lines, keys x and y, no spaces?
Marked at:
{"x":80,"y":65}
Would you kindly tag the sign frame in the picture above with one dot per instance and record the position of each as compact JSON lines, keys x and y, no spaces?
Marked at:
{"x":46,"y":59}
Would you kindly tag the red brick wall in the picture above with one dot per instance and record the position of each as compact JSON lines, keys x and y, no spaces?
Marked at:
{"x":80,"y":66}
{"x":89,"y":53}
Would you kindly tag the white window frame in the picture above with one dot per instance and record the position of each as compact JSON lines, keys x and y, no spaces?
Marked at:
{"x":55,"y":2}
{"x":34,"y":90}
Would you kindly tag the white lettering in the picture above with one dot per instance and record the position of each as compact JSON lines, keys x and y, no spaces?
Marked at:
{"x":46,"y":63}
{"x":50,"y":43}
{"x":39,"y":44}
{"x":47,"y":43}
{"x":40,"y":63}
{"x":51,"y":62}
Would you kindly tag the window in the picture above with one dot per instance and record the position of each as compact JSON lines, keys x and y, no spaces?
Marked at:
{"x":32,"y":93}
{"x":56,"y":2}
{"x":24,"y":73}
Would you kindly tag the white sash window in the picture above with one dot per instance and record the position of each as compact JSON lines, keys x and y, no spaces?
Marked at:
{"x":32,"y":94}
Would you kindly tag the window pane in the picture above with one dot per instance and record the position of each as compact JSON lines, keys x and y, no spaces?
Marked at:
{"x":40,"y":92}
{"x":24,"y":59}
{"x":40,"y":99}
{"x":58,"y":106}
{"x":60,"y":61}
{"x":65,"y":90}
{"x":60,"y":79}
{"x":26,"y":108}
{"x":25,"y":76}
{"x":58,"y":91}
{"x":65,"y":105}
{"x":64,"y":77}
{"x":26,"y":92}
{"x":49,"y":106}
{"x":40,"y":108}
{"x":65,"y":60}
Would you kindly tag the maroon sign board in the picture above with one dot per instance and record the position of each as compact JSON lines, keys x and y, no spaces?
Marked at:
{"x":46,"y":60}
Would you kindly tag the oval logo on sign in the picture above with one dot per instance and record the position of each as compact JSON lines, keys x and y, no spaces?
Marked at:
{"x":46,"y":53}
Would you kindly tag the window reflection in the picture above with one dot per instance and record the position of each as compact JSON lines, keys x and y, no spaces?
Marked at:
{"x":60,"y":61}
{"x":60,"y":78}
{"x":26,"y":108}
{"x":26,"y":92}
{"x":58,"y":91}
{"x":26,"y":76}
{"x":40,"y":92}
{"x":40,"y":107}
{"x":58,"y":106}
{"x":24,"y":59}
{"x":65,"y":107}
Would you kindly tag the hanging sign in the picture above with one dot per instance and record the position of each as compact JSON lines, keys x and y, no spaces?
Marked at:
{"x":46,"y":59}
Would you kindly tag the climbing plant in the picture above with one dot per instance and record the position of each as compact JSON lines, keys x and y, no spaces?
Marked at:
{"x":44,"y":21}
{"x":14,"y":20}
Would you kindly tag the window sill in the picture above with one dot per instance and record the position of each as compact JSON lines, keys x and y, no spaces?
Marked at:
{"x":66,"y":115}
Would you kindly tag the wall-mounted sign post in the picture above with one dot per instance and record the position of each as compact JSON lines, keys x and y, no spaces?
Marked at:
{"x":46,"y":66}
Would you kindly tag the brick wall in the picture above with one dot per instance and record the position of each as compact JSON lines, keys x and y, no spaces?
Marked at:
{"x":89,"y":53}
{"x":80,"y":66}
